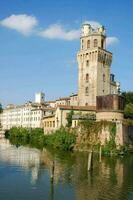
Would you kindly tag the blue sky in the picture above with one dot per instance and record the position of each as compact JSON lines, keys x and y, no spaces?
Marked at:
{"x":39,"y":53}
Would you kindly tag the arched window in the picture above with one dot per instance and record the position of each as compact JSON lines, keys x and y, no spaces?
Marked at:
{"x":103,"y":77}
{"x":88,"y":44}
{"x":87,"y":77}
{"x":95,"y":43}
{"x":87,"y":91}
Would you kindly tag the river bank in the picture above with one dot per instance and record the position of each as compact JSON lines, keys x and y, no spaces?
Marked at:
{"x":61,"y":139}
{"x":66,"y":140}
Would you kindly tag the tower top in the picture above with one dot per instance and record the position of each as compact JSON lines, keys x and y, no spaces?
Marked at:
{"x":87,"y":30}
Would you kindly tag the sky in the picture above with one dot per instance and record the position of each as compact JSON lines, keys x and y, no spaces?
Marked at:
{"x":39,"y":41}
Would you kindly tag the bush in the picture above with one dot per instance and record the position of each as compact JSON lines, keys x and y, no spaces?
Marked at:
{"x":61,"y":139}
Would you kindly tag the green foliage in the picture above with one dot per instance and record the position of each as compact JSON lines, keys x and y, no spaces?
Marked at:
{"x":128,"y":97}
{"x":128,"y":111}
{"x":128,"y":104}
{"x":24,"y":136}
{"x":110,"y":146}
{"x":69,"y":118}
{"x":124,"y":149}
{"x":112,"y":130}
{"x":89,"y":136}
{"x":61,"y":139}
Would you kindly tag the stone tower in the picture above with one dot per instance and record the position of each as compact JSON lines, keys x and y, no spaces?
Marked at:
{"x":94,"y":63}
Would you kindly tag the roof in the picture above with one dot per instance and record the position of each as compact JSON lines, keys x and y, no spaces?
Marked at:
{"x":49,"y":108}
{"x":52,"y":101}
{"x":63,"y":98}
{"x":48,"y":116}
{"x":80,"y":108}
{"x":72,"y":95}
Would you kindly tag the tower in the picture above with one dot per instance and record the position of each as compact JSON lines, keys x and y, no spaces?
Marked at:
{"x":94,"y":63}
{"x":39,"y":97}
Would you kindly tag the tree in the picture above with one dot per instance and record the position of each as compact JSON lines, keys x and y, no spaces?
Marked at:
{"x":128,"y":104}
{"x":128,"y":111}
{"x":69,"y":118}
{"x":128,"y":97}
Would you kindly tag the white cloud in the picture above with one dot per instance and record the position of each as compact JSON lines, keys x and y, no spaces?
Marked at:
{"x":111,"y":41}
{"x":25,"y":24}
{"x":22,"y":23}
{"x":94,"y":24}
{"x":57,"y":31}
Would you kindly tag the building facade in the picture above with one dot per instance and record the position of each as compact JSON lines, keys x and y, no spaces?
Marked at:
{"x":29,"y":115}
{"x":59,"y":118}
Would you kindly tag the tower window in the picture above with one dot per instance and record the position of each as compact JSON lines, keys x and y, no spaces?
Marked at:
{"x":88,"y":44}
{"x":87,"y":78}
{"x":102,"y":43}
{"x":103,"y":77}
{"x":82,"y":44}
{"x":95,"y":43}
{"x":86,"y":91}
{"x":87,"y":63}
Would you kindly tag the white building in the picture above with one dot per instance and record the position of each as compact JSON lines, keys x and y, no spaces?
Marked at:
{"x":28,"y":115}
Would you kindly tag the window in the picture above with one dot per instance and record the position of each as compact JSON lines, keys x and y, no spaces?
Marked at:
{"x":103,"y":77}
{"x":88,"y":44}
{"x":87,"y":78}
{"x":102,"y":43}
{"x":82,"y":44}
{"x":95,"y":43}
{"x":87,"y":91}
{"x":86,"y":104}
{"x":87,"y":63}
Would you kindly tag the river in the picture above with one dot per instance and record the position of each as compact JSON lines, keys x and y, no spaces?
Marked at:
{"x":25,"y":174}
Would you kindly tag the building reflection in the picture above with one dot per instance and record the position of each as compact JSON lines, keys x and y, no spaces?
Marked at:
{"x":25,"y":157}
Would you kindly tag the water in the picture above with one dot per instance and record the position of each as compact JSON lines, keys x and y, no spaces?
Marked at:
{"x":25,"y":174}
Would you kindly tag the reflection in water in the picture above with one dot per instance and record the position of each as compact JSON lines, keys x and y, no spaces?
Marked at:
{"x":111,"y":179}
{"x":25,"y":157}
